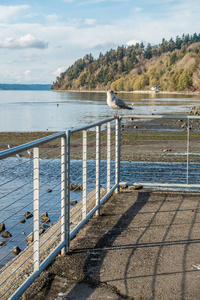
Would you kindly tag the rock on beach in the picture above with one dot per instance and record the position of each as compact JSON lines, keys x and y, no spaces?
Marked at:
{"x":6,"y":234}
{"x":44,"y":218}
{"x":16,"y":250}
{"x":28,"y":215}
{"x":2,"y":227}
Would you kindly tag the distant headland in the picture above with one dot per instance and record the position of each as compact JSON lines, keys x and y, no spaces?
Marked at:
{"x":25,"y":87}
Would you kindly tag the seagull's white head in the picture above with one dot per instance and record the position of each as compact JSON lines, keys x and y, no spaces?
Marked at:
{"x":110,"y":92}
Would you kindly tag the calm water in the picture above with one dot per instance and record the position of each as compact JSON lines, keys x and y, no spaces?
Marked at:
{"x":57,"y":111}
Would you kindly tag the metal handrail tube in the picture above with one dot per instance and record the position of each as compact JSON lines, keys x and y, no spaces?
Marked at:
{"x":161,"y":117}
{"x":30,"y":145}
{"x":92,"y":125}
{"x":183,"y":185}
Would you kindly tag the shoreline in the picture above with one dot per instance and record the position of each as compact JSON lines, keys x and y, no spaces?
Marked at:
{"x":131,"y":92}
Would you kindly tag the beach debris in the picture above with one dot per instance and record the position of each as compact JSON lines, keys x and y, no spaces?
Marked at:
{"x":30,"y":238}
{"x":41,"y":231}
{"x":74,"y":202}
{"x":44,"y":218}
{"x":44,"y":215}
{"x":195,"y":110}
{"x":76,"y":187}
{"x":22,"y":221}
{"x":2,"y":243}
{"x":2,"y":227}
{"x":44,"y":226}
{"x":16,"y":250}
{"x":135,"y":187}
{"x":6,"y":234}
{"x":196,"y":267}
{"x":28,"y":215}
{"x":123,"y":185}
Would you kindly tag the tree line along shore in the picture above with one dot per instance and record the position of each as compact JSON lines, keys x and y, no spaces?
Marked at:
{"x":172,"y":66}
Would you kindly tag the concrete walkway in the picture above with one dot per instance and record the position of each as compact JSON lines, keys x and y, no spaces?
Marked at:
{"x":145,"y":245}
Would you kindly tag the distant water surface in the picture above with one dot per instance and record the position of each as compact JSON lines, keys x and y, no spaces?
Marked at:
{"x":58,"y":111}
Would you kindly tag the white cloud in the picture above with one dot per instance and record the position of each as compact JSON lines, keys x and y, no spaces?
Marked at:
{"x":27,"y":73}
{"x":89,"y":2}
{"x":59,"y":71}
{"x":90,"y":21}
{"x":133,"y":42}
{"x":137,"y":9}
{"x":26,"y":41}
{"x":8,"y":12}
{"x":52,"y":18}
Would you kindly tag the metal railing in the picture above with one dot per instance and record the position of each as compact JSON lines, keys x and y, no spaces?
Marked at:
{"x":69,"y":175}
{"x":161,"y":151}
{"x":64,"y":181}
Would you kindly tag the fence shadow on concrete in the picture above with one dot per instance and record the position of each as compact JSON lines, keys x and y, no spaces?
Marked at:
{"x":162,"y":255}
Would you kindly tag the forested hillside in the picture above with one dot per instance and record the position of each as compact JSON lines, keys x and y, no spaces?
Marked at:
{"x":171,"y":65}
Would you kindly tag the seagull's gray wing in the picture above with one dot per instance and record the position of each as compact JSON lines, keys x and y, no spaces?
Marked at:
{"x":120,"y":103}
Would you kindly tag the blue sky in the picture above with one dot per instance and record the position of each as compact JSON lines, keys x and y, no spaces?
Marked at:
{"x":41,"y":38}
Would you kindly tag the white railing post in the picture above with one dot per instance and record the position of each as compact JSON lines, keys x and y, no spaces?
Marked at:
{"x":188,"y":150}
{"x":84,"y":210}
{"x":98,"y":162}
{"x":65,"y":191}
{"x":117,"y":154}
{"x":108,"y":155}
{"x":36,"y":208}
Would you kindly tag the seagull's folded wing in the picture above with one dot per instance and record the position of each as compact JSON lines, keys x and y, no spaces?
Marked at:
{"x":119,"y":102}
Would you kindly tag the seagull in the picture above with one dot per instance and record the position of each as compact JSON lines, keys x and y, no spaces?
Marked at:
{"x":29,"y":152}
{"x":9,"y":146}
{"x":116,"y":103}
{"x":19,"y":155}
